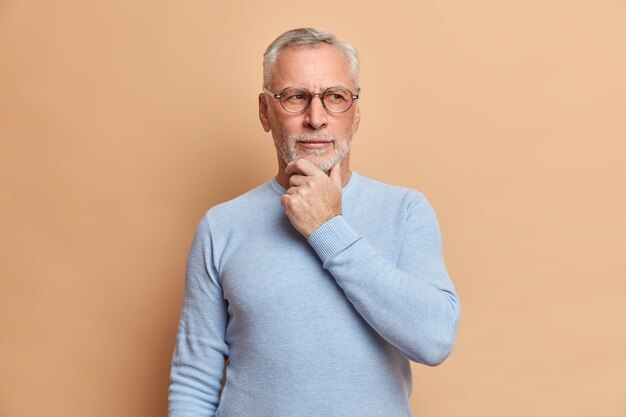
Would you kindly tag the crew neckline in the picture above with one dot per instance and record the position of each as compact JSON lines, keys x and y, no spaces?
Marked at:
{"x":346,"y":188}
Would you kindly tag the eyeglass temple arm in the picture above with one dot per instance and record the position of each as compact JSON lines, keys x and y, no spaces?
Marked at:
{"x":273,"y":94}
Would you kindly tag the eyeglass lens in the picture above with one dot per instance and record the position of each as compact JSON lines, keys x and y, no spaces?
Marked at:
{"x":336,"y":100}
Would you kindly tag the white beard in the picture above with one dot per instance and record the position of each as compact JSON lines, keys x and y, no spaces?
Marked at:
{"x":287,"y":150}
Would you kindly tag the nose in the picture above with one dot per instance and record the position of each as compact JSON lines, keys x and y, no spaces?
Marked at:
{"x":316,"y":115}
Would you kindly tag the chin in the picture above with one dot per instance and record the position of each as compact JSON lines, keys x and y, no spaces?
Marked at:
{"x":324,"y":165}
{"x":323,"y":162}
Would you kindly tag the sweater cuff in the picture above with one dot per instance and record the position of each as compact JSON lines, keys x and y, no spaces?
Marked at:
{"x":332,"y":237}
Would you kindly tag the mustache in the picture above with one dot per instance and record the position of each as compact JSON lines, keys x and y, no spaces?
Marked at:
{"x":314,"y":136}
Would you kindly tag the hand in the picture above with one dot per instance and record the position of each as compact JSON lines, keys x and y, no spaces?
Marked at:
{"x":313,"y":198}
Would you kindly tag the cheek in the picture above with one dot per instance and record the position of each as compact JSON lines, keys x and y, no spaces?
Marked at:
{"x":288,"y":125}
{"x":351,"y":125}
{"x":355,"y":122}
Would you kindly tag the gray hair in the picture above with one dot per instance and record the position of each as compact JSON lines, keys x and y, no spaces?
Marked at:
{"x":307,"y":37}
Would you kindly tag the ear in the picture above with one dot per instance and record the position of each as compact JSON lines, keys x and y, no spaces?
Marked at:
{"x":357,"y":120}
{"x":264,"y":112}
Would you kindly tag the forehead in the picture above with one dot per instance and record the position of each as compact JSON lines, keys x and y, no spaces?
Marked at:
{"x":313,"y":67}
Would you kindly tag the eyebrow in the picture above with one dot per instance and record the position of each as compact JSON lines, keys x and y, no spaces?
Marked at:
{"x":323,"y":89}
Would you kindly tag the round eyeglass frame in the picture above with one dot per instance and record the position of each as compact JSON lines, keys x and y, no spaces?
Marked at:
{"x":311,"y":95}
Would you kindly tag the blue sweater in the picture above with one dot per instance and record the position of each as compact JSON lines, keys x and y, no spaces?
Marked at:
{"x":317,"y":327}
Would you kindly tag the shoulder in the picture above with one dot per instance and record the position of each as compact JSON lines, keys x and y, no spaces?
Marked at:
{"x":250,"y":200}
{"x":385,"y":193}
{"x":241,"y":208}
{"x":410,"y":205}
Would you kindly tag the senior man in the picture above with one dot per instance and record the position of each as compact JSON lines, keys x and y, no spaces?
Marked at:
{"x":320,"y":285}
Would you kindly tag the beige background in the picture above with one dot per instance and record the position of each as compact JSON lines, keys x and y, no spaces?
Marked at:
{"x":122,"y":122}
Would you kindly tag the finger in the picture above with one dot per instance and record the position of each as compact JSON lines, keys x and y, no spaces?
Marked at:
{"x":335,"y":175}
{"x":297,"y":180}
{"x":303,"y":167}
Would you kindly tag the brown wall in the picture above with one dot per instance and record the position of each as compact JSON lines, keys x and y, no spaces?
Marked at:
{"x":122,"y":122}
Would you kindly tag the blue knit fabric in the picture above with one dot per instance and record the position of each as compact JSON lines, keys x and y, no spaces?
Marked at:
{"x":319,"y":327}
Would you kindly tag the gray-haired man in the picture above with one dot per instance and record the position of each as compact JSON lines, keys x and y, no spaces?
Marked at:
{"x":319,"y":285}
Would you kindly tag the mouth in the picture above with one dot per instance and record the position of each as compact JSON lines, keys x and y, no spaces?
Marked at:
{"x":315,"y":144}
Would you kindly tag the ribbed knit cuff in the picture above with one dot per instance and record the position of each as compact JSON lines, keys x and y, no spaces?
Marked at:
{"x":332,"y":237}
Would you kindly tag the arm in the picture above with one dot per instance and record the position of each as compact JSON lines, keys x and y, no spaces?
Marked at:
{"x":201,"y":350}
{"x":411,"y":304}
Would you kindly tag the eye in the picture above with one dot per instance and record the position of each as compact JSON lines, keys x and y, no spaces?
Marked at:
{"x":337,"y":96}
{"x":294,"y":96}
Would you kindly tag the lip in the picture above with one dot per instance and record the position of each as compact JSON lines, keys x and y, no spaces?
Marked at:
{"x":315,"y":144}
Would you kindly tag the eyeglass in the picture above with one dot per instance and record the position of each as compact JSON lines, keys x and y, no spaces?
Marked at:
{"x":296,"y":100}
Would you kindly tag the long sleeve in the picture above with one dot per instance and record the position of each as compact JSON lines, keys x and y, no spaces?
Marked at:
{"x":411,"y":301}
{"x":201,"y":349}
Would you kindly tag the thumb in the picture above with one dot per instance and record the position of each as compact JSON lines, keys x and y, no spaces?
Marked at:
{"x":335,"y":175}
